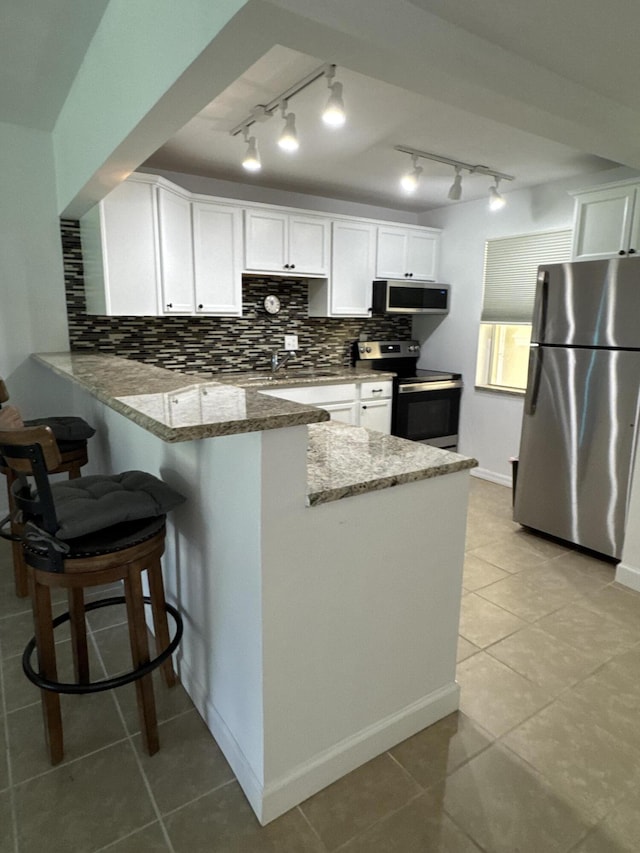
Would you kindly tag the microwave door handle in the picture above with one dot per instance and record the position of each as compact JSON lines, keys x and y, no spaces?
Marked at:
{"x":533,"y":381}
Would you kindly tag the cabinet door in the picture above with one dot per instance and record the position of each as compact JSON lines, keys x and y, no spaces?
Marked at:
{"x":391,"y":258}
{"x":217,"y":253}
{"x":266,"y":241}
{"x":422,"y":255}
{"x":376,"y":414}
{"x":309,"y":245}
{"x":346,"y":413}
{"x":176,"y":252}
{"x":602,"y":223}
{"x":352,"y":268}
{"x":120,"y":252}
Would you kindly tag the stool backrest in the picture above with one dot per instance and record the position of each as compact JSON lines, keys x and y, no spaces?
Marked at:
{"x":31,"y":452}
{"x":4,"y":393}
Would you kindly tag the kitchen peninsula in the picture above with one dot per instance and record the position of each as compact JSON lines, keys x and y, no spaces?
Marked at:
{"x":318,"y":567}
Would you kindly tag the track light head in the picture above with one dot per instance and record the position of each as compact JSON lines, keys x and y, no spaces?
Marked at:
{"x":334,"y":114}
{"x":251,"y":161}
{"x":409,"y":181}
{"x":496,"y":201}
{"x":288,"y":139}
{"x":455,"y":190}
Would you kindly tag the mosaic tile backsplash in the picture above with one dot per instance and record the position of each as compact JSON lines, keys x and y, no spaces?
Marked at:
{"x":218,"y":344}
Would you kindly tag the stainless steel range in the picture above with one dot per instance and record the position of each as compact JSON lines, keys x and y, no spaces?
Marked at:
{"x":426,"y":403}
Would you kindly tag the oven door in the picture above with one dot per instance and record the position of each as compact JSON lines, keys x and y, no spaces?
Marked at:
{"x":428,"y":412}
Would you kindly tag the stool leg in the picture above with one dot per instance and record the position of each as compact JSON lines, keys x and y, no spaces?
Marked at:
{"x":75,"y":471}
{"x":19,"y":567}
{"x":140,"y":655}
{"x":45,"y":645}
{"x":78,"y":626}
{"x":160,"y":624}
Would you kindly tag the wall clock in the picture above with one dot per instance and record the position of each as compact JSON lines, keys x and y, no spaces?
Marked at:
{"x":271,"y":304}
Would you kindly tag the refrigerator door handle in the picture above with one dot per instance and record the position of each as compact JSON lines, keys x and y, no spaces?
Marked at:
{"x":540,"y":325}
{"x":533,"y":381}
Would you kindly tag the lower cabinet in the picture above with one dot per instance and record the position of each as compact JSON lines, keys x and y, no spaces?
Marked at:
{"x":367,"y":404}
{"x":375,"y":406}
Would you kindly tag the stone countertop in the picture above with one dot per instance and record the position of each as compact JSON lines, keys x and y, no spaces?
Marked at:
{"x":174,"y":406}
{"x":291,"y":377}
{"x":345,"y":460}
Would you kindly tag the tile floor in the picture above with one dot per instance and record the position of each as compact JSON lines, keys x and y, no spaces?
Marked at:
{"x":544,"y":754}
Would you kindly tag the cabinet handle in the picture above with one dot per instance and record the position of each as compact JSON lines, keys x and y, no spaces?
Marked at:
{"x":200,"y":307}
{"x":632,"y":251}
{"x":286,"y":266}
{"x":364,"y":407}
{"x":292,"y":266}
{"x":169,"y":304}
{"x":622,"y":252}
{"x":377,"y":390}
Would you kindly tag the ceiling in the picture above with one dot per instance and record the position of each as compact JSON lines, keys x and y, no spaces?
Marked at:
{"x":535,"y":88}
{"x":358,"y":161}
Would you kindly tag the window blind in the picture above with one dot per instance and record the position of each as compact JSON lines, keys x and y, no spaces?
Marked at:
{"x":511,"y":269}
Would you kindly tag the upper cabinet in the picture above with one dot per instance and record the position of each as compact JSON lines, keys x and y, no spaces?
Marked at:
{"x":407,"y":253}
{"x":347,"y":292}
{"x":606,"y":222}
{"x":120,"y":251}
{"x":151,"y":249}
{"x":286,"y":243}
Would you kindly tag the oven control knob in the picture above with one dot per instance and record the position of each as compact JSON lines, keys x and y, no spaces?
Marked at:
{"x":367,"y":349}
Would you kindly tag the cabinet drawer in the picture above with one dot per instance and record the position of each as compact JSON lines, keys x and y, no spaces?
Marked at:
{"x":376,"y":390}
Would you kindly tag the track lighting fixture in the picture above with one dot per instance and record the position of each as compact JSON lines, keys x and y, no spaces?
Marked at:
{"x":410,"y":181}
{"x":288,"y":139}
{"x":333,"y":115}
{"x":455,"y":190}
{"x":496,"y":201}
{"x":251,"y":161}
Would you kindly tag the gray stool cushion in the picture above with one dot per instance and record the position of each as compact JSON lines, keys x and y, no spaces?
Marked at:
{"x":92,"y":503}
{"x":65,"y":428}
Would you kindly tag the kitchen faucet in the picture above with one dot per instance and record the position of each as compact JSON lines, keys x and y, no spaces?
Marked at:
{"x":276,"y":363}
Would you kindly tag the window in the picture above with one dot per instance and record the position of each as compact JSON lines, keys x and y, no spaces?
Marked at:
{"x":510,"y":273}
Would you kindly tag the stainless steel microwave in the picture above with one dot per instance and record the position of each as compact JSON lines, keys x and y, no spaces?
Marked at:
{"x":410,"y":297}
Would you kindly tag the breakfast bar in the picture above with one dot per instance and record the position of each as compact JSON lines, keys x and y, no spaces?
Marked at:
{"x":317,"y":566}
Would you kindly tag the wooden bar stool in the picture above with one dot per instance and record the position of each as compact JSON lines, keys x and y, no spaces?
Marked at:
{"x":73,"y":455}
{"x":83,"y":533}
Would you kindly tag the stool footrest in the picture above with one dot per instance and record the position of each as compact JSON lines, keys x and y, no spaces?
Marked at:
{"x":107,"y":683}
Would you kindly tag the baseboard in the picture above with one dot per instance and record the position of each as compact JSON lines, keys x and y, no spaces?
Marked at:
{"x":354,"y":751}
{"x":628,"y":576}
{"x":274,"y":799}
{"x":492,"y":476}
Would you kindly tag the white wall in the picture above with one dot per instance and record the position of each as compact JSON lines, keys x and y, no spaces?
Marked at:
{"x":490,"y":421}
{"x":268,"y":195}
{"x":33,"y":315}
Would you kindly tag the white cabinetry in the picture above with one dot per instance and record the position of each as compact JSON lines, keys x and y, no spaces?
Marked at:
{"x":347,"y":293}
{"x":120,"y":251}
{"x":407,"y":253}
{"x":339,"y":400}
{"x":607,"y":222}
{"x":176,"y":251}
{"x":367,"y":404}
{"x":217,"y":255}
{"x":150,"y":248}
{"x":375,"y":406}
{"x":285,"y":242}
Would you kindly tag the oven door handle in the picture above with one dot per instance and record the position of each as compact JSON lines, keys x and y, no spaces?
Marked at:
{"x":421,"y":387}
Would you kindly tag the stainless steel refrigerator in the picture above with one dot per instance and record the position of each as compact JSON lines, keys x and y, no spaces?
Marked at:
{"x":581,"y":405}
